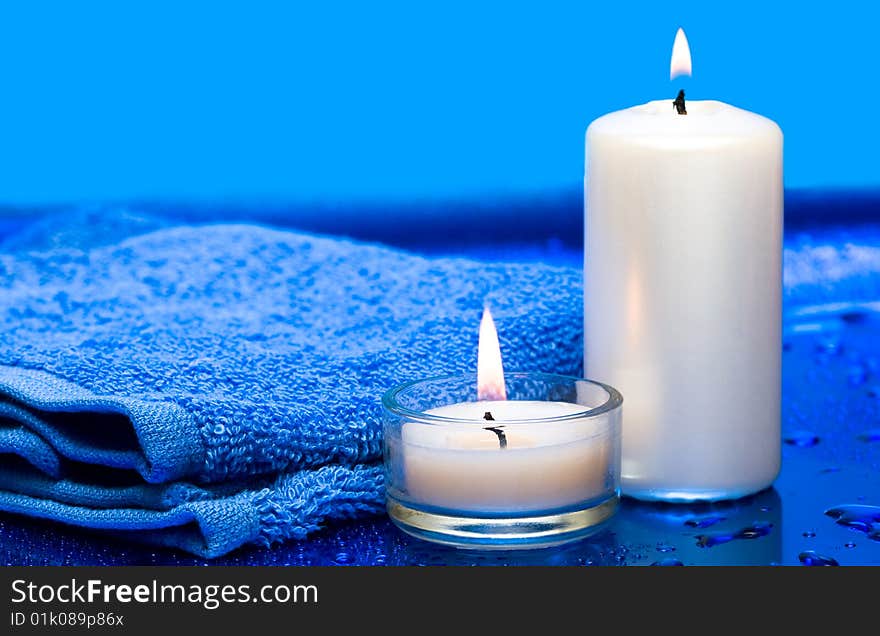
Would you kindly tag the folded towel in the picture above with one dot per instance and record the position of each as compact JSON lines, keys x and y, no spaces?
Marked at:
{"x":832,"y":266}
{"x":209,"y":387}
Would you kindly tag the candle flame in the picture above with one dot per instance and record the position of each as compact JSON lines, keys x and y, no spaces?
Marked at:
{"x":490,"y":371}
{"x":681,"y":56}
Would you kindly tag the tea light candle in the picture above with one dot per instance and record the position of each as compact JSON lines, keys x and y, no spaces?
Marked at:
{"x":535,"y":465}
{"x":521,"y":465}
{"x":683,"y":291}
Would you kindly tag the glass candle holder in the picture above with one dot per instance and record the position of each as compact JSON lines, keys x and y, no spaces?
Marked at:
{"x":538,"y":469}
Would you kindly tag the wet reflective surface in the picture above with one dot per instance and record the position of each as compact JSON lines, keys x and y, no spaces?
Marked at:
{"x":823,"y":510}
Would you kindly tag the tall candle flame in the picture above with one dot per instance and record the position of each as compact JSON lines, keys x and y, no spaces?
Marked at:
{"x":681,"y":56}
{"x":490,"y":371}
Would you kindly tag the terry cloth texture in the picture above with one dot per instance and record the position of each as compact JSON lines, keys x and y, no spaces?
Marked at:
{"x":209,"y":387}
{"x":833,"y":266}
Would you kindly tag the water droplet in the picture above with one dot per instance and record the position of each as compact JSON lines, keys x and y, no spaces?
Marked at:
{"x":856,"y":375}
{"x":663,"y":547}
{"x":854,"y":317}
{"x":667,"y":562}
{"x":811,"y":557}
{"x":343,"y":557}
{"x":765,"y":508}
{"x":755,"y":531}
{"x":786,"y":346}
{"x":803,"y":439}
{"x":871,"y":435}
{"x":703,"y":522}
{"x":829,"y":345}
{"x":809,"y":534}
{"x":849,"y":544}
{"x":858,"y":517}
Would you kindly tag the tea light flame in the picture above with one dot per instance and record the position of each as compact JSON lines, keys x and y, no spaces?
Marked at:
{"x":681,"y":56}
{"x":490,"y":371}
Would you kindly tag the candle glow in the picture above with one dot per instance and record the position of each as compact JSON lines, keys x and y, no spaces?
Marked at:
{"x":680,"y":63}
{"x":490,"y":371}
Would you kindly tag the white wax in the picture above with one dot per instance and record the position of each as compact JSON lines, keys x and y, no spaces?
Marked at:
{"x":683,"y":277}
{"x":545,"y":465}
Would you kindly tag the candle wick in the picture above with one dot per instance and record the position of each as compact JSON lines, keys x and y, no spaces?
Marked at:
{"x":678,"y":103}
{"x":502,"y":438}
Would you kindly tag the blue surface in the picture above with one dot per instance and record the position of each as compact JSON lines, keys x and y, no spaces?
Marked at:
{"x":392,"y":99}
{"x":842,"y":468}
{"x":831,"y":458}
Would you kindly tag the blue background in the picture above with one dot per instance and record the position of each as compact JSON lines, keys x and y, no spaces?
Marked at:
{"x":388,"y":101}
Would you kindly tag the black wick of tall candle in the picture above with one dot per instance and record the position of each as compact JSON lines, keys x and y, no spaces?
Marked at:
{"x":678,"y":103}
{"x":502,"y":438}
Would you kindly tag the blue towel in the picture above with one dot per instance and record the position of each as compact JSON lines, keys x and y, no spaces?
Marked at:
{"x":215,"y":386}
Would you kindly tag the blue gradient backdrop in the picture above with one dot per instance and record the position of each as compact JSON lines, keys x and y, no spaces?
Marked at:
{"x":402,"y":101}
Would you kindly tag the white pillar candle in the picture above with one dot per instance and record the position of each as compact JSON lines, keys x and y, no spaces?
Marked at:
{"x":544,"y":465}
{"x":683,"y":289}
